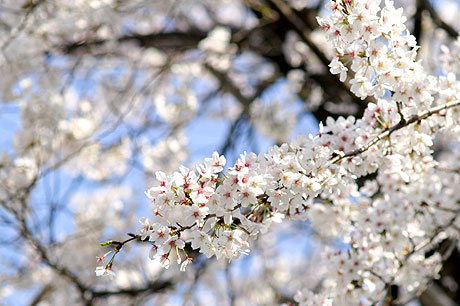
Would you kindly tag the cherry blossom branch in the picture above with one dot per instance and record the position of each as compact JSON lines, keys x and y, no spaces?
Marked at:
{"x":261,"y":208}
{"x":401,"y":124}
{"x":118,"y":245}
{"x":203,"y":206}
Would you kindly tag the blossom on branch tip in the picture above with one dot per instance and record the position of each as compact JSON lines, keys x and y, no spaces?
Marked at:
{"x":105,"y":271}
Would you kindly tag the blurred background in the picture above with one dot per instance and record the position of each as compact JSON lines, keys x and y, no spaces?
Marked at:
{"x":97,"y":95}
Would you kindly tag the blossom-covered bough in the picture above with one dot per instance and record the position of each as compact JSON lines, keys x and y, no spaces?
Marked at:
{"x":389,"y":225}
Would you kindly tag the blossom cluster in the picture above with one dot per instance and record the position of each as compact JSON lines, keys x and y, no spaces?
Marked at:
{"x":219,"y":213}
{"x":377,"y":47}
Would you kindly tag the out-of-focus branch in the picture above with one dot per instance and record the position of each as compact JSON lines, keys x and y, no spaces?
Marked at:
{"x":271,"y":27}
{"x":227,"y":85}
{"x":305,"y":32}
{"x":230,"y":291}
{"x":300,"y":27}
{"x":42,"y":251}
{"x":438,"y":20}
{"x":41,"y":295}
{"x":435,"y":296}
{"x":165,"y":41}
{"x":29,"y":7}
{"x":88,"y":294}
{"x":152,"y":287}
{"x":231,"y":132}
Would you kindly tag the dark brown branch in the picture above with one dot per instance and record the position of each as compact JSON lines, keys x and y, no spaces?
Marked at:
{"x":417,"y":32}
{"x":229,"y":140}
{"x":41,"y":295}
{"x":165,"y":41}
{"x":152,"y":287}
{"x":435,"y":295}
{"x":300,"y":27}
{"x":228,"y":86}
{"x":304,"y":32}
